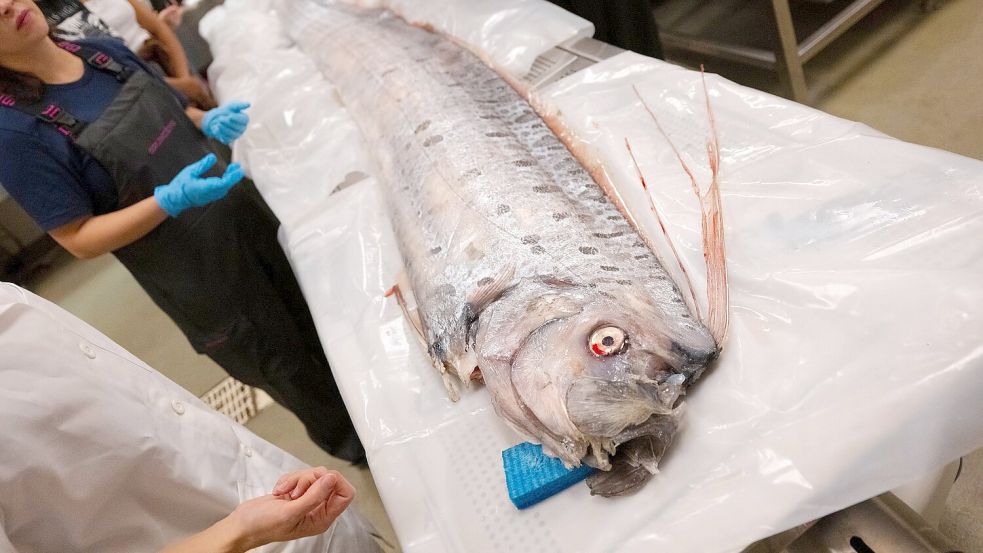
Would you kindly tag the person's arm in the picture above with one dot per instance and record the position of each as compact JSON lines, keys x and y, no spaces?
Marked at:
{"x":177,"y":61}
{"x":303,"y":503}
{"x":196,"y":115}
{"x":90,"y":237}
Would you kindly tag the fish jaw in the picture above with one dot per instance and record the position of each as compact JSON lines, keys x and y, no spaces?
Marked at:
{"x":510,"y":329}
{"x":638,"y":458}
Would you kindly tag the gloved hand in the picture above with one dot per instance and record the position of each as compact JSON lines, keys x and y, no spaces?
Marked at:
{"x":226,"y":122}
{"x":188,"y":189}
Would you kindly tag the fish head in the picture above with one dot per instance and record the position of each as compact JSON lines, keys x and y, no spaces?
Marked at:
{"x":597,"y":368}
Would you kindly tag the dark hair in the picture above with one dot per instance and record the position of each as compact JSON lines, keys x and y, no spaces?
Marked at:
{"x":24,"y":87}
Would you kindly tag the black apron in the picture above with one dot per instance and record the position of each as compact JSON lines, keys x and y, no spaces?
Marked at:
{"x":217,"y":271}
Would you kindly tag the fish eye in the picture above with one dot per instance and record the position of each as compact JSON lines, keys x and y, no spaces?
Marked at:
{"x":607,"y":341}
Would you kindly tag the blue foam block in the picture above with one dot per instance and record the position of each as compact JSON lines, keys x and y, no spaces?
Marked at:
{"x":532,"y":476}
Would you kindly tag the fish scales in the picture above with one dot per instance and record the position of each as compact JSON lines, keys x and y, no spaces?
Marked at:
{"x":517,"y":260}
{"x":477,"y":134}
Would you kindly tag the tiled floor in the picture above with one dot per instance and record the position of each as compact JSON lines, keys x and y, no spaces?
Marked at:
{"x":915,"y":76}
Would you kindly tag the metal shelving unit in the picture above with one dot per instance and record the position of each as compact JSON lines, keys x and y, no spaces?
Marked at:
{"x":788,"y":54}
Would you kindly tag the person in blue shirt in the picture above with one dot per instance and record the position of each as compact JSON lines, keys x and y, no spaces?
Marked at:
{"x":108,"y":159}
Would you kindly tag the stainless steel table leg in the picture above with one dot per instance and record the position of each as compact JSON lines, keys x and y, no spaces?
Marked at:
{"x":789,"y":64}
{"x":882,"y":524}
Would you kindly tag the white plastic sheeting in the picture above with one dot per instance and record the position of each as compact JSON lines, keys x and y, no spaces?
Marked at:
{"x":507,"y":34}
{"x":301,"y":143}
{"x":854,"y":359}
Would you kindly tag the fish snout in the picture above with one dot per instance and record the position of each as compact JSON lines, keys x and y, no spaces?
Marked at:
{"x":691,"y":361}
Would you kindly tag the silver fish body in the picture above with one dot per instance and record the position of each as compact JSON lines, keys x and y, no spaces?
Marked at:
{"x":519,"y":263}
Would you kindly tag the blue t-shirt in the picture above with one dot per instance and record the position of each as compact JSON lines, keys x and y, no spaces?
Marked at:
{"x":44,"y":171}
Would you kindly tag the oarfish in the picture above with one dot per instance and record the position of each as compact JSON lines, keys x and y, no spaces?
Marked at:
{"x":523,"y":271}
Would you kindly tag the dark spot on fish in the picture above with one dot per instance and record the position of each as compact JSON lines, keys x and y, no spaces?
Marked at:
{"x":556,"y":147}
{"x":609,"y":234}
{"x":613,"y":217}
{"x":585,"y":217}
{"x":485,"y":281}
{"x":503,"y":209}
{"x":388,"y":71}
{"x":592,"y":285}
{"x":432,"y":140}
{"x":436,"y":350}
{"x":423,"y":126}
{"x":607,"y":295}
{"x":530,"y":239}
{"x":496,"y":134}
{"x":677,"y":299}
{"x":637,"y":244}
{"x":471,"y":173}
{"x":546,"y":188}
{"x":526,"y":117}
{"x":492,"y":116}
{"x":538,"y":250}
{"x":524,"y":163}
{"x":446,"y":289}
{"x":588,"y":250}
{"x":553,"y":281}
{"x":435,"y":250}
{"x":561,"y":215}
{"x":643,"y":256}
{"x":624,"y":282}
{"x":609,"y":268}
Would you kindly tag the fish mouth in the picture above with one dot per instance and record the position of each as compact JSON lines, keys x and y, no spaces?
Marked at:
{"x":612,"y":409}
{"x":23,"y":18}
{"x":639,"y":451}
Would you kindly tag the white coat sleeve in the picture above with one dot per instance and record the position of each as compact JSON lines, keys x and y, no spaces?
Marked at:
{"x":5,"y":545}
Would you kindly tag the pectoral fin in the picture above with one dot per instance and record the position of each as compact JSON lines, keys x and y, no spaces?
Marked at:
{"x":419,"y":330}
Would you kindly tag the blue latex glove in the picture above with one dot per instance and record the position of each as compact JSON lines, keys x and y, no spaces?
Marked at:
{"x":226,"y":123}
{"x":189,"y":189}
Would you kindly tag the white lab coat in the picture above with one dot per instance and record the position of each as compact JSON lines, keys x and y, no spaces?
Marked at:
{"x":101,"y":453}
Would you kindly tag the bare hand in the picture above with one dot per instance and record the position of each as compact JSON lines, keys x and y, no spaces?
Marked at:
{"x":304,"y":503}
{"x":171,"y":15}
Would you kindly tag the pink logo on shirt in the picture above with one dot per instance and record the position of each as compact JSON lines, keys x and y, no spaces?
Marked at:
{"x":69,"y":47}
{"x":51,"y":111}
{"x":162,"y":137}
{"x":6,"y":100}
